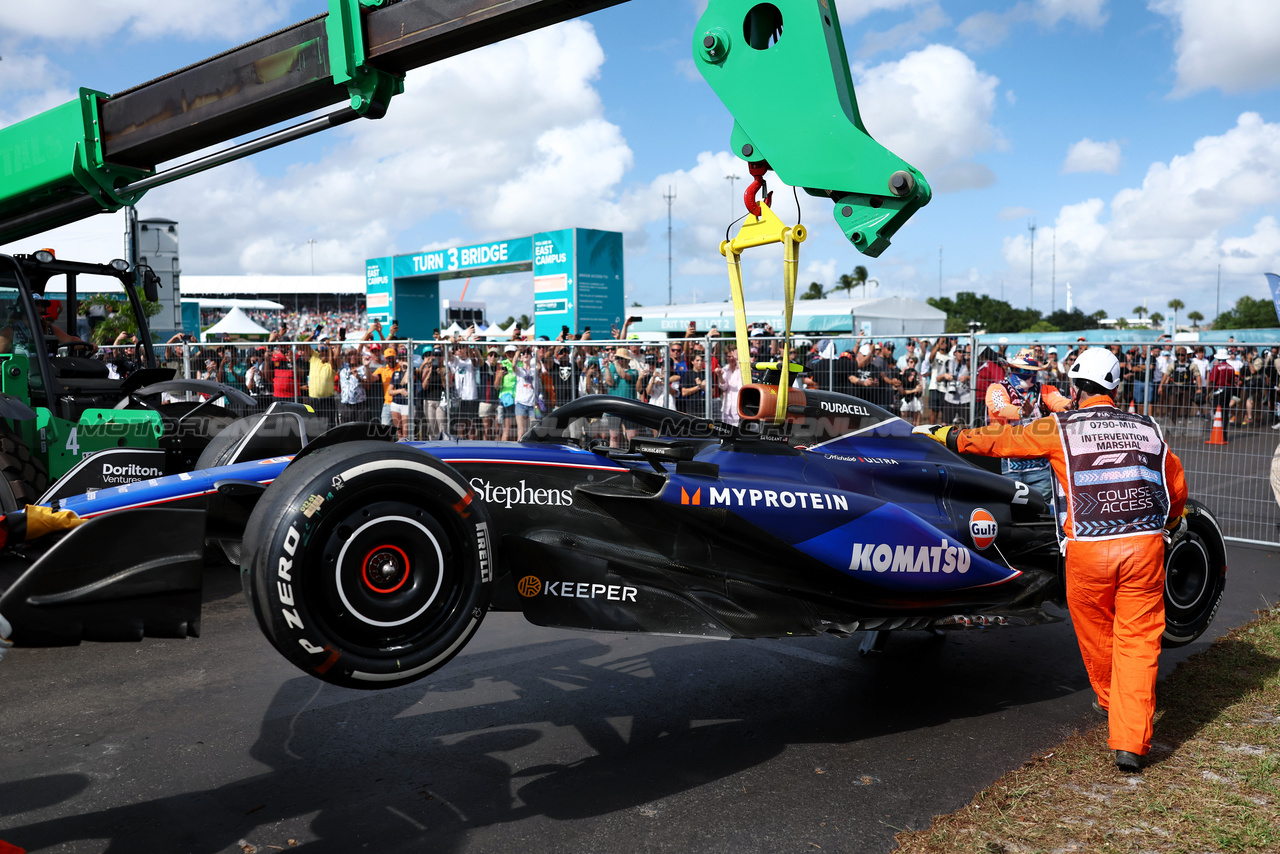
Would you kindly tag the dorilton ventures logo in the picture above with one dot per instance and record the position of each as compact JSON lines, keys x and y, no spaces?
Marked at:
{"x":128,"y":473}
{"x":521,"y":494}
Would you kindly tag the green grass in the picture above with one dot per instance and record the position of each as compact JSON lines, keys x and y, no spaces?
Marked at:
{"x":1212,"y":780}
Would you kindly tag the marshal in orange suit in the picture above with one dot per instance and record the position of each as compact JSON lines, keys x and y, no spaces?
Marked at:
{"x":1119,"y":487}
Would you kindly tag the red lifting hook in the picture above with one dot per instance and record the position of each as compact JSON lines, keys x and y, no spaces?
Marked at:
{"x":757,"y":171}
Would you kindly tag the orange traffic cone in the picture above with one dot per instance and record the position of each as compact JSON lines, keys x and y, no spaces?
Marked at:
{"x":1133,"y":410}
{"x":1216,"y":436}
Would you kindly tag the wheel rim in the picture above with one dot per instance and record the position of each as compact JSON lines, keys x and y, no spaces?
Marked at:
{"x":389,"y":571}
{"x":1187,"y":574}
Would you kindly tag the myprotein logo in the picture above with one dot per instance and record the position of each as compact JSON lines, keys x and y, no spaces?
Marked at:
{"x":130,"y":473}
{"x":808,"y":500}
{"x":882,"y":557}
{"x":521,"y":494}
{"x":982,"y":528}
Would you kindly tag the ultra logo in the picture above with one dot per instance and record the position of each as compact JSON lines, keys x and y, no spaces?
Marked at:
{"x":982,"y":528}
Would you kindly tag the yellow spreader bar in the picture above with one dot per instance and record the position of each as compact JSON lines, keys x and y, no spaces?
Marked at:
{"x":761,"y":231}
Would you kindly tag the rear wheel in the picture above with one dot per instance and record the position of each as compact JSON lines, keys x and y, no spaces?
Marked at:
{"x":370,"y":564}
{"x":25,"y":477}
{"x":1195,"y":577}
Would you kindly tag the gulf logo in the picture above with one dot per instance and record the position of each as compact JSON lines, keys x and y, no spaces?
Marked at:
{"x":982,"y":528}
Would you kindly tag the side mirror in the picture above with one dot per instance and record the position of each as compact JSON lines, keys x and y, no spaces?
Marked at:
{"x":150,"y":283}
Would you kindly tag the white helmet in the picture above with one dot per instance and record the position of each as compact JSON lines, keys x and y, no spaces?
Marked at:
{"x":1097,"y":364}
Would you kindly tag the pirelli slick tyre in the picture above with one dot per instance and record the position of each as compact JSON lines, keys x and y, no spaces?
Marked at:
{"x":1195,"y":577}
{"x":25,"y":477}
{"x":368,"y":564}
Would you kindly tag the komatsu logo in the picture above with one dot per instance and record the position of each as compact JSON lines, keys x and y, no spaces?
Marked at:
{"x":881,"y":557}
{"x":776,"y":498}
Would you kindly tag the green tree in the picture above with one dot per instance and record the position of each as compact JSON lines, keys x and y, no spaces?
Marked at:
{"x":1041,"y":326}
{"x":860,"y":277}
{"x":1140,"y":310}
{"x":1195,"y":317}
{"x":1176,"y":305}
{"x":815,"y":292}
{"x":1248,"y":313}
{"x":849,"y":281}
{"x":1074,"y":319}
{"x":120,"y":317}
{"x":1122,"y":323}
{"x":993,"y":314}
{"x":1157,"y":319}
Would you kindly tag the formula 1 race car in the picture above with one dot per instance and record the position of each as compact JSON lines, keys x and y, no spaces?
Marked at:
{"x":371,"y":564}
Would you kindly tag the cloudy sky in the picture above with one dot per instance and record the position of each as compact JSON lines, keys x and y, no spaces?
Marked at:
{"x":1141,"y":138}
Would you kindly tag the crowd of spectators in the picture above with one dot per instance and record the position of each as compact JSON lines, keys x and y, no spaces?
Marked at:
{"x":468,"y":387}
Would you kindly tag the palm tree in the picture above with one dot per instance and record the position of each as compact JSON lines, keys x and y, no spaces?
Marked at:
{"x":1140,"y":310}
{"x":1157,"y":319}
{"x":815,"y":292}
{"x":1122,"y":323}
{"x":844,"y":283}
{"x":860,"y":277}
{"x":1177,"y":305}
{"x":1195,"y":317}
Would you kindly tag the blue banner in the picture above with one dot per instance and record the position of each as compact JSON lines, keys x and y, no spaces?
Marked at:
{"x":503,"y":256}
{"x":1274,"y":281}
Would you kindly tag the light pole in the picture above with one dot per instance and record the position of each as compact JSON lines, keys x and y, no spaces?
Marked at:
{"x":1032,"y":228}
{"x":732,"y":202}
{"x":670,"y":196}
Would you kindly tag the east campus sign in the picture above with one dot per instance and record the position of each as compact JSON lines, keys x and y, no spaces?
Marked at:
{"x":577,"y":280}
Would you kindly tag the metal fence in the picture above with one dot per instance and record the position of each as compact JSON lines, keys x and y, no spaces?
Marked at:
{"x":445,"y":390}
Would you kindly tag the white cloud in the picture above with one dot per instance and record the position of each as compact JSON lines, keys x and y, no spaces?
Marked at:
{"x":855,"y":11}
{"x":99,"y":20}
{"x":988,"y":29}
{"x":1183,"y":221}
{"x":1233,"y":45}
{"x":1089,"y":156}
{"x":31,"y":83}
{"x":907,"y":34}
{"x":933,"y":108}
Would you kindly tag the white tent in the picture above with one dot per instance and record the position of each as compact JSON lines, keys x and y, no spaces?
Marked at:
{"x":454,"y":329}
{"x":524,"y":333}
{"x":236,"y":324}
{"x":494,"y":331}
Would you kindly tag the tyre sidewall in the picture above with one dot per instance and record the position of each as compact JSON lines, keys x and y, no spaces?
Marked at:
{"x":1185,"y":625}
{"x":295,"y":583}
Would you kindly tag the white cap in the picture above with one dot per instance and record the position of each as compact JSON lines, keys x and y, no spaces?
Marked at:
{"x":864,"y":350}
{"x":1223,"y":353}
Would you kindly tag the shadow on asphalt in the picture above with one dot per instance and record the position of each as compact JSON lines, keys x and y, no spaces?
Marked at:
{"x":418,"y":768}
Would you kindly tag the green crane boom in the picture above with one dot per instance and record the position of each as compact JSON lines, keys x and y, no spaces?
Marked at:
{"x":780,"y":68}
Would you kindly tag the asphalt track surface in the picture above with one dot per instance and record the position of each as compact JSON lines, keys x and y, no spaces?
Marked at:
{"x":535,"y":740}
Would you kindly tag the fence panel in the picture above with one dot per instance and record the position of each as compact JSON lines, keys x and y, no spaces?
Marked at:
{"x":445,"y":390}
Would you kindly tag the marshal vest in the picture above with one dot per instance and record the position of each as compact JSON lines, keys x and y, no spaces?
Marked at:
{"x":1016,"y":397}
{"x":1115,"y":473}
